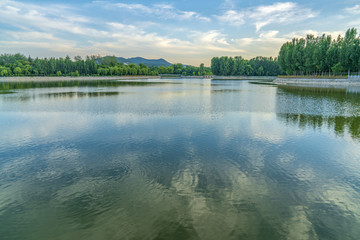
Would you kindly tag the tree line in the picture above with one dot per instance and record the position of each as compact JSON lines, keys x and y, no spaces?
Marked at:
{"x":238,"y":66}
{"x":321,"y":55}
{"x":20,"y":65}
{"x":312,"y":55}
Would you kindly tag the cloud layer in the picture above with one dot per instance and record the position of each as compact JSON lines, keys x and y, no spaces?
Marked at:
{"x":175,"y":31}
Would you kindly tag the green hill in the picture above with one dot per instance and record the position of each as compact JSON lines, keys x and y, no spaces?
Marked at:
{"x":138,"y":60}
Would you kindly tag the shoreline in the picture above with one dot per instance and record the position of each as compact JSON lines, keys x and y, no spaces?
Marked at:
{"x":348,"y":85}
{"x":314,"y":82}
{"x":280,"y":81}
{"x":68,"y":78}
{"x":90,"y":78}
{"x":244,"y":78}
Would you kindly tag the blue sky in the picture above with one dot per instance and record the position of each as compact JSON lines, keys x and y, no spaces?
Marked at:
{"x":186,"y":31}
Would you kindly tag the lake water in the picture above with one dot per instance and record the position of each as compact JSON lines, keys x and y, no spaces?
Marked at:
{"x":178,"y":159}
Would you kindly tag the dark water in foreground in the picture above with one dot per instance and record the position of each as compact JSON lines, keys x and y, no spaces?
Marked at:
{"x":179,"y":159}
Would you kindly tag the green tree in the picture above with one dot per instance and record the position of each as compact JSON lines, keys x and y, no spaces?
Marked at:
{"x":4,"y":72}
{"x":17,"y":71}
{"x":177,"y":68}
{"x":75,"y":74}
{"x":202,"y":69}
{"x":337,"y":68}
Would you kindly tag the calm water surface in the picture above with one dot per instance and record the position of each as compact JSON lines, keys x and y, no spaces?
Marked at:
{"x":179,"y":159}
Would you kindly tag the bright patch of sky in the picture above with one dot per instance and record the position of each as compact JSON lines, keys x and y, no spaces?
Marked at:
{"x":190,"y":32}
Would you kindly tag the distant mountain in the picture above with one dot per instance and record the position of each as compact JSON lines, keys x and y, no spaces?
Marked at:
{"x":150,"y":62}
{"x":138,"y":60}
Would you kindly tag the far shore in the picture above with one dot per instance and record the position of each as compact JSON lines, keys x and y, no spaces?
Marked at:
{"x":281,"y":81}
{"x":91,"y":78}
{"x":67,"y":78}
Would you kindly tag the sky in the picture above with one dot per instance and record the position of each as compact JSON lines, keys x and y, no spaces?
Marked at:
{"x":182,"y":31}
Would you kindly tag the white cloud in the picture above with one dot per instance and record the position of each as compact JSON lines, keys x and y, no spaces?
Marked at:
{"x":134,"y":7}
{"x":210,"y":37}
{"x":268,"y":34}
{"x":122,"y":27}
{"x":353,"y":10}
{"x":233,"y":17}
{"x":281,"y":12}
{"x":164,"y":11}
{"x":286,"y":12}
{"x":31,"y":35}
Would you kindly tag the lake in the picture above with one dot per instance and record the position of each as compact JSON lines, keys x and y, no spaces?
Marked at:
{"x":178,"y":159}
